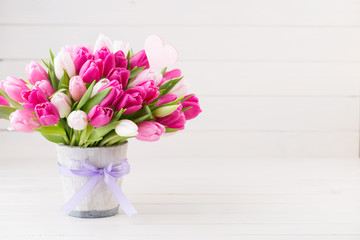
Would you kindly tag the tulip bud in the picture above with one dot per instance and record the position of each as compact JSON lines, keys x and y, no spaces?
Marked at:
{"x":100,"y":116}
{"x":91,"y":70}
{"x":164,"y":111}
{"x":98,"y":86}
{"x":13,"y":88}
{"x":139,"y":60}
{"x":4,"y":101}
{"x":35,"y":72}
{"x":47,"y":113}
{"x":77,"y":120}
{"x":150,"y":131}
{"x":62,"y":103}
{"x":126,"y":128}
{"x":45,"y":87}
{"x":77,"y":88}
{"x":63,"y":61}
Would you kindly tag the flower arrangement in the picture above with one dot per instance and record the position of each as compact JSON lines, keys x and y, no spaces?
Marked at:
{"x":101,"y":95}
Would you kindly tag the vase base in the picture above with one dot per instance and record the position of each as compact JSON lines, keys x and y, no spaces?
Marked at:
{"x":95,"y":213}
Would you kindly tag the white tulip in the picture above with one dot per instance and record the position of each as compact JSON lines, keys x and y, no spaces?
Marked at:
{"x":126,"y":128}
{"x":121,"y":46}
{"x":77,"y":120}
{"x":181,"y":88}
{"x":102,"y":41}
{"x":147,"y":74}
{"x":98,"y":86}
{"x":164,"y":111}
{"x":62,"y":103}
{"x":64,"y":61}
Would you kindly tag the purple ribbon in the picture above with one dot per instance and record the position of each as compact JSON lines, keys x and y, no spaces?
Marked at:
{"x":108,"y":174}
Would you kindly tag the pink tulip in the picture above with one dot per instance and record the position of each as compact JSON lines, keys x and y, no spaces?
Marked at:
{"x":47,"y":114}
{"x":24,"y":121}
{"x":175,"y":120}
{"x":13,"y":88}
{"x":168,"y":98}
{"x":45,"y":87}
{"x":100,"y":116}
{"x":195,"y":109}
{"x":114,"y":95}
{"x":149,"y":131}
{"x":120,"y":60}
{"x":4,"y":101}
{"x":82,"y":55}
{"x":131,"y":99}
{"x":152,"y":92}
{"x":62,"y":103}
{"x":121,"y":75}
{"x":91,"y":70}
{"x":176,"y":73}
{"x":35,"y":72}
{"x":139,"y":60}
{"x":77,"y":88}
{"x":108,"y":59}
{"x":32,"y":98}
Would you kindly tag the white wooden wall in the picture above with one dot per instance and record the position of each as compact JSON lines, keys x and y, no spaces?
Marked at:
{"x":275,"y":77}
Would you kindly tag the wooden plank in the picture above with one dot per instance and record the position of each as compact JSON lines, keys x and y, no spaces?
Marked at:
{"x":254,"y":78}
{"x":214,"y":43}
{"x":200,"y":12}
{"x":211,"y":143}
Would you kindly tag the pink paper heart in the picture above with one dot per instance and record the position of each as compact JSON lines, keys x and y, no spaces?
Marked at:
{"x":159,"y":56}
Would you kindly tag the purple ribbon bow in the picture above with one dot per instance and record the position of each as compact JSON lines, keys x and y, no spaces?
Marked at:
{"x":109,"y":173}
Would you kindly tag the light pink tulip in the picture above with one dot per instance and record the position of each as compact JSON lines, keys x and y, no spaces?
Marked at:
{"x":13,"y":88}
{"x":148,"y":74}
{"x":35,"y":72}
{"x":149,"y":131}
{"x":45,"y":87}
{"x":23,"y":121}
{"x":32,"y":98}
{"x":77,"y":88}
{"x":62,"y":103}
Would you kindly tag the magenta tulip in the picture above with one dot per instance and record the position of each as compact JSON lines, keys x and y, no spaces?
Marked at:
{"x":120,"y":60}
{"x":139,"y":60}
{"x":174,"y":120}
{"x":149,"y":131}
{"x":91,"y":70}
{"x":131,"y":99}
{"x":35,"y":72}
{"x":152,"y":92}
{"x":32,"y":98}
{"x":100,"y":116}
{"x":176,"y":73}
{"x":13,"y":88}
{"x":82,"y":55}
{"x":194,"y":110}
{"x":168,"y":98}
{"x":4,"y":101}
{"x":24,"y":121}
{"x":114,"y":95}
{"x":45,"y":87}
{"x":77,"y":88}
{"x":108,"y":59}
{"x":121,"y":75}
{"x":47,"y":114}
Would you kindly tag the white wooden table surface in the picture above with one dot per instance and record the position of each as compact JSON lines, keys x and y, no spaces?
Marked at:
{"x":194,"y":198}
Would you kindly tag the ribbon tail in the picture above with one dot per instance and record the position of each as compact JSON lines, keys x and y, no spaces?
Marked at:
{"x":78,"y":197}
{"x":120,"y":196}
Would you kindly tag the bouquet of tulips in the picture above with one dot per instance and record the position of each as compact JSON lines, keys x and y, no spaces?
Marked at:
{"x":100,"y":95}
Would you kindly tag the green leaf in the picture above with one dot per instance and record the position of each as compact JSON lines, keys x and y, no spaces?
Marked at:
{"x":167,"y":86}
{"x":5,"y":111}
{"x":98,"y":133}
{"x":64,"y":81}
{"x":12,"y":102}
{"x":187,"y":108}
{"x":142,"y":118}
{"x":170,"y":130}
{"x":66,"y":91}
{"x":52,"y":130}
{"x":186,"y":98}
{"x":117,"y":115}
{"x":86,"y":96}
{"x":52,"y":138}
{"x":46,"y":64}
{"x":95,"y":100}
{"x":135,"y":71}
{"x":163,"y":71}
{"x":51,"y":55}
{"x":145,"y":110}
